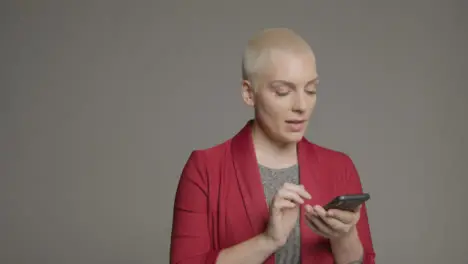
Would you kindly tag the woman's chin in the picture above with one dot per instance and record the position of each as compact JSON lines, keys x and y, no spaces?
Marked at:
{"x":292,"y":137}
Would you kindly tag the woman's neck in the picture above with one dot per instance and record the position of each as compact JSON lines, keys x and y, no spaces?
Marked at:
{"x":271,"y":153}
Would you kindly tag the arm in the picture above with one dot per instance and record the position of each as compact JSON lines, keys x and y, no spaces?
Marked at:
{"x":191,"y":241}
{"x":348,"y":250}
{"x":190,"y":237}
{"x":255,"y":250}
{"x":357,"y":246}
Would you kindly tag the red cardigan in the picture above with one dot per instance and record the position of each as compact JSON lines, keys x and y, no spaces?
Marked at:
{"x":220,"y":200}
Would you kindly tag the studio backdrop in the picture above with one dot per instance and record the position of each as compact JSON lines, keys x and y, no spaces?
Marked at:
{"x":103,"y":101}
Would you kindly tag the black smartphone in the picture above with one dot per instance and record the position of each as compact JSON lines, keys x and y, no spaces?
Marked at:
{"x":348,"y":202}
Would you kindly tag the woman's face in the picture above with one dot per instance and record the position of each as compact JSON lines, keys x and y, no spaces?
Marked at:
{"x":285,"y":95}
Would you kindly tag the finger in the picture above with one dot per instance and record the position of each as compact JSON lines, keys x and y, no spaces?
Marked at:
{"x":332,"y":223}
{"x":311,"y":212}
{"x":282,"y":204}
{"x":321,"y":226}
{"x":358,"y":209}
{"x":343,"y":216}
{"x":318,"y":226}
{"x":299,"y":189}
{"x":336,"y":225}
{"x":315,"y":229}
{"x":308,"y":209}
{"x":320,"y":210}
{"x":290,"y":195}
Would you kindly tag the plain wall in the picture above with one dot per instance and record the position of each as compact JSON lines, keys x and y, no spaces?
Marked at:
{"x":103,"y":101}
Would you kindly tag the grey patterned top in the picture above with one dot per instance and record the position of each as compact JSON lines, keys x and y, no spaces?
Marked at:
{"x":272,"y":180}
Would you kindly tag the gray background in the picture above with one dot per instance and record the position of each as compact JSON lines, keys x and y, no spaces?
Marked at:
{"x":103,"y":101}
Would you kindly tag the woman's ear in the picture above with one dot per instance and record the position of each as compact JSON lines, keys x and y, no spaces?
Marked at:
{"x":248,"y":93}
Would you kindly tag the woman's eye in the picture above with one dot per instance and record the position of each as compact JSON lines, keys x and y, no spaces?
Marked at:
{"x":282,"y":93}
{"x":311,"y":92}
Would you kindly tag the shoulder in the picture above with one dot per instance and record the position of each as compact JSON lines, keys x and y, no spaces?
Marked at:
{"x":210,"y":155}
{"x":213,"y":151}
{"x":203,"y":167}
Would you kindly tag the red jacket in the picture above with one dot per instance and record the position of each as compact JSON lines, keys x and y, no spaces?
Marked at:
{"x":220,"y":200}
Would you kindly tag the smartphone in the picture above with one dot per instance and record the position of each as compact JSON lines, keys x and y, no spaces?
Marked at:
{"x":348,"y":202}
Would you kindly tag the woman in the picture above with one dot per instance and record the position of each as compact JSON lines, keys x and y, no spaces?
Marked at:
{"x":257,"y":197}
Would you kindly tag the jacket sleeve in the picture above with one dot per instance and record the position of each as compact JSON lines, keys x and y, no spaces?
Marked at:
{"x":353,"y":185}
{"x":190,"y":238}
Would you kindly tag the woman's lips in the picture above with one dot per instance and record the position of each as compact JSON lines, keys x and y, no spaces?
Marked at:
{"x":296,"y":125}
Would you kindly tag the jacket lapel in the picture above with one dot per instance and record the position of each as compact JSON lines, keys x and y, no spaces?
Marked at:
{"x":308,"y":167}
{"x":312,"y":173}
{"x":248,"y":178}
{"x":309,"y":176}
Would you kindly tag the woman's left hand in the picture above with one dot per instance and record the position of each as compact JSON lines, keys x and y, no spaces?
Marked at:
{"x":333,"y":223}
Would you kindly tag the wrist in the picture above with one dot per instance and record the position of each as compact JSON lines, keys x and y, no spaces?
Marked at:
{"x":350,"y":242}
{"x":347,"y":248}
{"x":351,"y":236}
{"x":268,"y":243}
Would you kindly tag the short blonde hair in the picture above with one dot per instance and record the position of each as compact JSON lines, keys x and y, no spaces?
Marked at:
{"x":261,"y":45}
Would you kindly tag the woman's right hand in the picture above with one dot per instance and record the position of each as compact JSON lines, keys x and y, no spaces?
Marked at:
{"x":284,"y":212}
